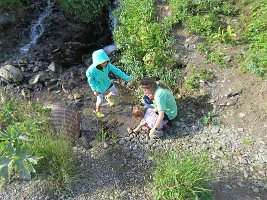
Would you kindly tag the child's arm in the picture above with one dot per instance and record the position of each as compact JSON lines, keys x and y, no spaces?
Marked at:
{"x":119,"y":73}
{"x":155,"y":107}
{"x":91,"y":80}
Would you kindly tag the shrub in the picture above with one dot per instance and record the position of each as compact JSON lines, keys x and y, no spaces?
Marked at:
{"x":84,"y":10}
{"x":147,"y":46}
{"x":182,"y":175}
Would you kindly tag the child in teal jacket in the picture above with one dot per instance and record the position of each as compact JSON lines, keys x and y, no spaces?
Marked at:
{"x":99,"y":81}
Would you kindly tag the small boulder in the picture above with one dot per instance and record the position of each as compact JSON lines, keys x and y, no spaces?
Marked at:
{"x":11,"y":74}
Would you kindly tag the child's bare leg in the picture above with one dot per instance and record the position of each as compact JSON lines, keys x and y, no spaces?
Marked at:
{"x":99,"y":102}
{"x":109,"y":95}
{"x":97,"y":108}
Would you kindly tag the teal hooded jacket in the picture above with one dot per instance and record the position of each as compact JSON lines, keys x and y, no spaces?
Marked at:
{"x":98,"y":79}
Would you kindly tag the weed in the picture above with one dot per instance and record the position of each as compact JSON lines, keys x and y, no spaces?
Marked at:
{"x":215,"y":57}
{"x":225,"y":36}
{"x":246,"y":141}
{"x":58,"y":164}
{"x":103,"y":135}
{"x":203,"y":48}
{"x":255,"y":35}
{"x":210,"y":119}
{"x":182,"y":175}
{"x":192,"y":82}
{"x":199,"y":74}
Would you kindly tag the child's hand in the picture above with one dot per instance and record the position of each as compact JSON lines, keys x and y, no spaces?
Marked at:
{"x":130,"y":83}
{"x":137,"y":128}
{"x":95,"y":93}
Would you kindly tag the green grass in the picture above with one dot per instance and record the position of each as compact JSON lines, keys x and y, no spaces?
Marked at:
{"x":31,"y":146}
{"x":57,"y":163}
{"x":255,"y":35}
{"x":182,"y":175}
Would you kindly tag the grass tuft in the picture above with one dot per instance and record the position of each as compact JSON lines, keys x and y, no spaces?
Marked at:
{"x":182,"y":175}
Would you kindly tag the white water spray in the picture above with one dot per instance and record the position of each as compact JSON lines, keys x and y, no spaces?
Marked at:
{"x":37,"y":28}
{"x":113,"y":25}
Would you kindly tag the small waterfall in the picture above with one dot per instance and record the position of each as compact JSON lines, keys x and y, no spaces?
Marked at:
{"x":113,"y":25}
{"x":37,"y":28}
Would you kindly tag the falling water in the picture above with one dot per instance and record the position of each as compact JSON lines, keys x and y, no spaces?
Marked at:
{"x":37,"y":28}
{"x":113,"y":24}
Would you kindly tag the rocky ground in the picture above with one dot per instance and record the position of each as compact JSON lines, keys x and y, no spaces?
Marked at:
{"x":122,"y":168}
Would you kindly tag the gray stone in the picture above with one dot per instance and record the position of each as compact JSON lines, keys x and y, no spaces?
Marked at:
{"x":256,"y":190}
{"x":11,"y":74}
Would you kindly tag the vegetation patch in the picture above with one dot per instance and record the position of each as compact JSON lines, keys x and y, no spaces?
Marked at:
{"x":210,"y":119}
{"x":181,"y":174}
{"x":197,"y":75}
{"x":212,"y":19}
{"x":29,"y":147}
{"x":255,"y":34}
{"x":10,"y":4}
{"x":103,"y":135}
{"x":84,"y":10}
{"x":147,"y":46}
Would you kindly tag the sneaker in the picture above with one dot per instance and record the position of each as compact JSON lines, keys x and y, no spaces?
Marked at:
{"x":100,"y":114}
{"x":111,"y":101}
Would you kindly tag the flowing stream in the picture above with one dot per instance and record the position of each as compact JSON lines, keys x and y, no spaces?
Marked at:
{"x":113,"y":25}
{"x":37,"y":29}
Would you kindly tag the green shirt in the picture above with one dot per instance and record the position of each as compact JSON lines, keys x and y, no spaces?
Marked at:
{"x":164,"y":100}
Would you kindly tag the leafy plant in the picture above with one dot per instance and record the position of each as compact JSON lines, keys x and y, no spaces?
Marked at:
{"x":225,"y":36}
{"x":16,"y":158}
{"x":182,"y":175}
{"x":203,"y":25}
{"x":201,"y":17}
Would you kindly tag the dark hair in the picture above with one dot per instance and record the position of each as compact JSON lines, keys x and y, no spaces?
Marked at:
{"x":138,"y":111}
{"x":151,"y":84}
